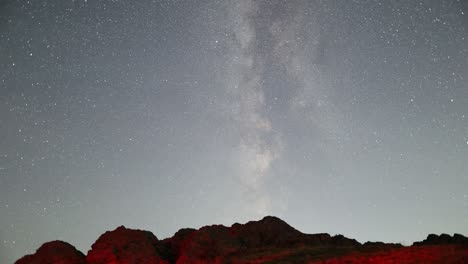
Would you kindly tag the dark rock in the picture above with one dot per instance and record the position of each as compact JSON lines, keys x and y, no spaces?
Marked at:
{"x":57,"y":252}
{"x":270,"y":231}
{"x":443,"y":239}
{"x":382,"y":245}
{"x":342,"y":241}
{"x":460,"y":239}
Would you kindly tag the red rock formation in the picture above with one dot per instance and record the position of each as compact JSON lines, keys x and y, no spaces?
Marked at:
{"x":270,"y":240}
{"x":124,"y":246}
{"x":241,"y":242}
{"x":446,"y":254}
{"x":57,"y":252}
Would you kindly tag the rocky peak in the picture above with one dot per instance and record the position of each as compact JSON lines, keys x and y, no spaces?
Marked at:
{"x":124,"y":245}
{"x":443,"y":239}
{"x":57,"y":252}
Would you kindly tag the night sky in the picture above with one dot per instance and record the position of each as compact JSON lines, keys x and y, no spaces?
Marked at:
{"x":346,"y":117}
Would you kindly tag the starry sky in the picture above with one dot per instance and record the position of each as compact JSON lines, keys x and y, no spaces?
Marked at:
{"x":346,"y":117}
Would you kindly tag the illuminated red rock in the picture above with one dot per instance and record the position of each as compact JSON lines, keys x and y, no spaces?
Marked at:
{"x":442,"y":254}
{"x":209,"y":244}
{"x":122,"y":246}
{"x":57,"y":252}
{"x":269,"y":240}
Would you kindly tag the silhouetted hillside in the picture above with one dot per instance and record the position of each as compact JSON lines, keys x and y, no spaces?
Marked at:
{"x":270,"y":240}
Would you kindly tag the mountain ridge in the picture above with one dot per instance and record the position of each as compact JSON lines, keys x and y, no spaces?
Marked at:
{"x":269,"y":240}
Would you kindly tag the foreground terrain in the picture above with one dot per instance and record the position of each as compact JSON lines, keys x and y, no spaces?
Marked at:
{"x":269,"y":240}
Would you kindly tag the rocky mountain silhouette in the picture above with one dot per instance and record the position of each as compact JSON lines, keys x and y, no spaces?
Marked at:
{"x":58,"y":252}
{"x":269,"y":240}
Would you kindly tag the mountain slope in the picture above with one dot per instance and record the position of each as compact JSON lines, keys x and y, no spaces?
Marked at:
{"x":269,"y":240}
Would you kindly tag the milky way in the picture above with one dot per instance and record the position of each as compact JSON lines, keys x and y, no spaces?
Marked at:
{"x":346,"y":117}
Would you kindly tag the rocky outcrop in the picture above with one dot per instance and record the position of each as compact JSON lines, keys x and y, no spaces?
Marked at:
{"x":211,"y":244}
{"x":124,"y":245}
{"x":269,"y":240}
{"x":268,"y":232}
{"x":443,"y":239}
{"x":57,"y":252}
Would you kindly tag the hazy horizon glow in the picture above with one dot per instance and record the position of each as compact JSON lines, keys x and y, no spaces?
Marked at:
{"x":345,"y":117}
